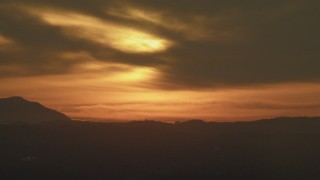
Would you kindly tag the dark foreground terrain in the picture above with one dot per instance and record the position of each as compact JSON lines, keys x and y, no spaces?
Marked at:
{"x":283,"y":148}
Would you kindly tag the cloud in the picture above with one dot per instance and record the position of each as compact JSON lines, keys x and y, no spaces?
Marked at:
{"x":4,"y":41}
{"x":41,"y":44}
{"x":106,"y":33}
{"x":198,"y":45}
{"x":8,"y":45}
{"x":191,"y":27}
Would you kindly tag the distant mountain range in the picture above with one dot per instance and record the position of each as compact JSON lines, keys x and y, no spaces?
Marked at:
{"x":54,"y":147}
{"x":271,"y":149}
{"x":17,"y":110}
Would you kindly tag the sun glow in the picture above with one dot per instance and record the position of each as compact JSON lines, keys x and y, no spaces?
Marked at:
{"x":106,"y":33}
{"x":135,"y":75}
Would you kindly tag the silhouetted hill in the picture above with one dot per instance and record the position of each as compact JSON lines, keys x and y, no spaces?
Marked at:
{"x":19,"y":110}
{"x":280,"y":148}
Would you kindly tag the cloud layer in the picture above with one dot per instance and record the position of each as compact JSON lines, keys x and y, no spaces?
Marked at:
{"x":194,"y":44}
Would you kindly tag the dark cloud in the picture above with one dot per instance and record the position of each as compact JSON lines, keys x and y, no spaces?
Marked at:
{"x":278,"y":44}
{"x":244,"y":42}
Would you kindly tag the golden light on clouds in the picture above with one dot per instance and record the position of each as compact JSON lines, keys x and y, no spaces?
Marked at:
{"x":130,"y":12}
{"x":110,"y":72}
{"x":98,"y":96}
{"x":4,"y":40}
{"x":192,"y":27}
{"x":109,"y":34}
{"x":9,"y":45}
{"x":135,"y":75}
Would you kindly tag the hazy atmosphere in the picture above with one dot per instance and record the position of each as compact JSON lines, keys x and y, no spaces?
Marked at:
{"x":218,"y":60}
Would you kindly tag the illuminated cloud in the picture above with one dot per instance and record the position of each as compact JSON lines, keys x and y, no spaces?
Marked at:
{"x":4,"y":41}
{"x":135,"y":75}
{"x":120,"y":37}
{"x":193,"y":27}
{"x":7,"y":45}
{"x":116,"y":73}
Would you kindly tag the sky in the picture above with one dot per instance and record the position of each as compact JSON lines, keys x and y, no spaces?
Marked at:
{"x":169,"y":60}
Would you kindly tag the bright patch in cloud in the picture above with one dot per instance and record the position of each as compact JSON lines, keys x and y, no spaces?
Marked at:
{"x":7,"y":44}
{"x":110,"y":72}
{"x":135,"y":75}
{"x":120,"y":37}
{"x":4,"y":40}
{"x":192,"y":27}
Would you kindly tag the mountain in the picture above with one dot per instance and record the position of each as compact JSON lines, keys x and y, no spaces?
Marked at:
{"x":17,"y":110}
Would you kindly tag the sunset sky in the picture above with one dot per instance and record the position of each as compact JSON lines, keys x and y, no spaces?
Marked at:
{"x":168,"y":60}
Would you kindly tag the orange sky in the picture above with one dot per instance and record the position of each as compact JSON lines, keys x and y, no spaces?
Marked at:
{"x":127,"y":61}
{"x":101,"y":97}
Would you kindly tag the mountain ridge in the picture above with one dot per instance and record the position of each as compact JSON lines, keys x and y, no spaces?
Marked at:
{"x":18,"y":110}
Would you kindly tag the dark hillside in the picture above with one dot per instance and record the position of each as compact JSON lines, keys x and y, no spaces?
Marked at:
{"x":286,"y":148}
{"x":16,"y":110}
